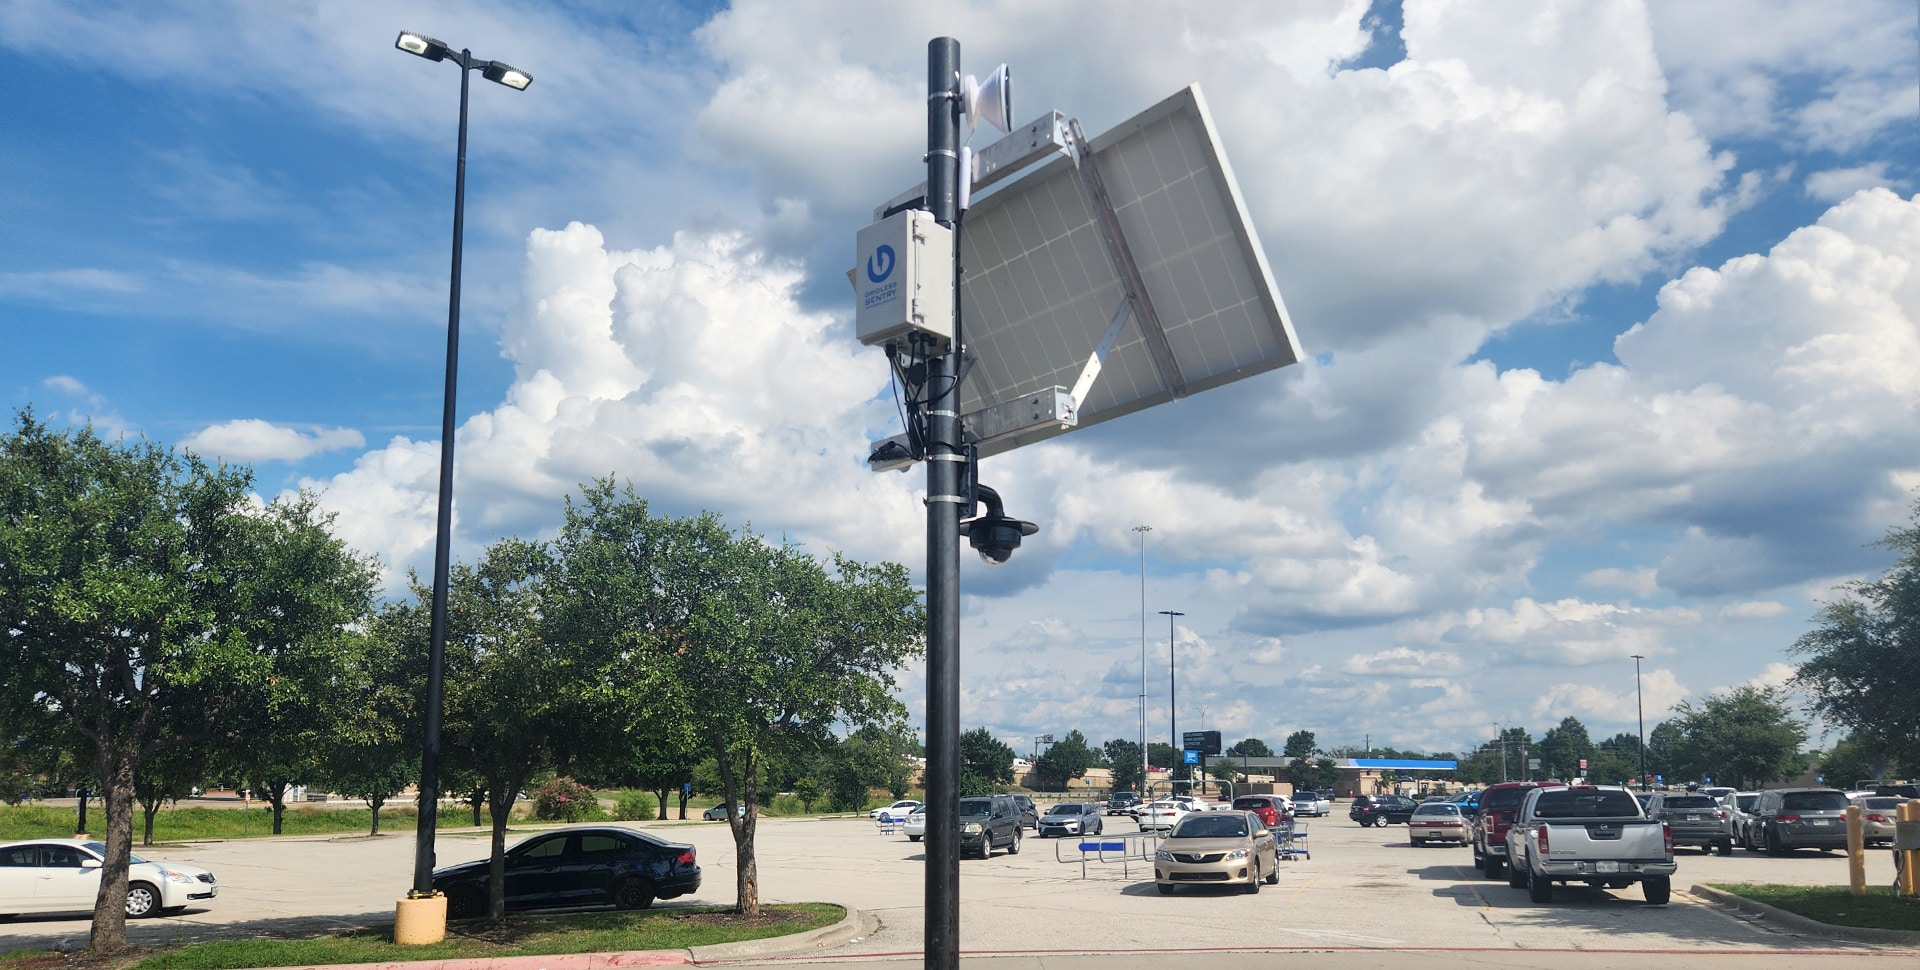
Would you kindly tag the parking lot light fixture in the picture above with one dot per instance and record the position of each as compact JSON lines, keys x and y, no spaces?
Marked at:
{"x":432,"y":49}
{"x":1173,"y":700}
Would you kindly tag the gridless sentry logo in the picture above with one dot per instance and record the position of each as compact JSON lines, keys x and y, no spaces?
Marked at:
{"x":880,"y":265}
{"x":879,"y":268}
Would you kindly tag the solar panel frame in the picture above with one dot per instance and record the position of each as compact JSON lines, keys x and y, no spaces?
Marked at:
{"x":1040,"y":285}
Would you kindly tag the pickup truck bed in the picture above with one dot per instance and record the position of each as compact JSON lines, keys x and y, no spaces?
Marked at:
{"x":1598,"y":836}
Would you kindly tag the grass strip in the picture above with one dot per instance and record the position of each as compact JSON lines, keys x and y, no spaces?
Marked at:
{"x":1837,"y":905}
{"x":675,"y":928}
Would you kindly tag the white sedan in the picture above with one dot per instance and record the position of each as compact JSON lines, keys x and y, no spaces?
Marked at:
{"x":1160,"y":815}
{"x":896,"y":811}
{"x":916,"y":826}
{"x":63,"y":876}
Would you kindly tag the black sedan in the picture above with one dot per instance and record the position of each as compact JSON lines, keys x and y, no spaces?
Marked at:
{"x":577,"y":867}
{"x":1382,"y":809}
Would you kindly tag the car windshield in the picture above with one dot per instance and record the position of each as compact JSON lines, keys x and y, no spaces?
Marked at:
{"x":1585,"y":803}
{"x":1070,"y":808}
{"x":1250,"y":804}
{"x":1211,"y":827}
{"x":1438,"y":808}
{"x":1689,"y":802}
{"x":100,"y":849}
{"x":975,"y":807}
{"x":1813,"y":801}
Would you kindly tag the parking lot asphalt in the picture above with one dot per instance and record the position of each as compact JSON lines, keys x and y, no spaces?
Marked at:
{"x":1363,"y":894}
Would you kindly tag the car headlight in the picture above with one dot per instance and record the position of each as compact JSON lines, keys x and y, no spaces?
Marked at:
{"x":1236,"y":854}
{"x":1162,"y":855}
{"x":179,"y":877}
{"x":971,"y":828}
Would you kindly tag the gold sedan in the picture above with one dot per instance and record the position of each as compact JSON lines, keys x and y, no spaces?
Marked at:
{"x":1877,"y":817}
{"x":1217,"y":847}
{"x":1434,"y":821}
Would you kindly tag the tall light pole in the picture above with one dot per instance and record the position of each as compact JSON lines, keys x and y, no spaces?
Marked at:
{"x":1143,"y":530}
{"x":423,"y":46}
{"x":1640,"y":711}
{"x":1173,"y":698}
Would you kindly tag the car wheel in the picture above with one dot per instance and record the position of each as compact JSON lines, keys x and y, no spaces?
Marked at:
{"x":1725,"y":846}
{"x":913,"y":838}
{"x":466,"y":904}
{"x":1013,"y":848}
{"x":1746,"y":839}
{"x":1253,"y":879}
{"x":1516,"y":876}
{"x":634,"y":894}
{"x":1774,"y":846}
{"x":1099,"y":827}
{"x":1658,"y":889}
{"x":1413,"y":842}
{"x":1273,"y":878}
{"x":142,"y":901}
{"x":1166,"y":888}
{"x":1539,"y":888}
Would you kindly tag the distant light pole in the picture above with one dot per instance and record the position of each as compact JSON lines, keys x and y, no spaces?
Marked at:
{"x":421,"y":45}
{"x":1173,"y":700}
{"x":1640,"y":710}
{"x":1143,"y":530}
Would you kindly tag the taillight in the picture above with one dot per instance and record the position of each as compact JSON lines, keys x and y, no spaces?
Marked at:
{"x":1876,"y":817}
{"x":1720,"y":813}
{"x":685,"y":858}
{"x":1666,"y":837}
{"x":1786,"y":818}
{"x":1540,"y":838}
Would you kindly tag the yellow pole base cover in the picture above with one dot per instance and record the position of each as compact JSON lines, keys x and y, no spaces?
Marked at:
{"x":418,"y":922}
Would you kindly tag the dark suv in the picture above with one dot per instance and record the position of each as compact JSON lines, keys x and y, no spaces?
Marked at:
{"x":1695,"y":818}
{"x":1798,"y":818}
{"x":1382,"y":809}
{"x":1120,"y":801}
{"x":1498,"y":806}
{"x":989,"y":822}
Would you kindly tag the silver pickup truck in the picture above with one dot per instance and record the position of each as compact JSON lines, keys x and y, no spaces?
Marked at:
{"x":1595,"y":835}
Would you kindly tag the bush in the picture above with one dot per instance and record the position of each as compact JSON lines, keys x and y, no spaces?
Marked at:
{"x":561,"y":799}
{"x":633,"y":805}
{"x":788,"y":805}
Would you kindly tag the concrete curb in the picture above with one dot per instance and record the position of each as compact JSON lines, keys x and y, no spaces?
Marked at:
{"x":856,"y":925}
{"x":1800,"y":924}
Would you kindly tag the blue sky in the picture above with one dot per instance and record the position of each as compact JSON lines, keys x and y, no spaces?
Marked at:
{"x":1611,"y":314}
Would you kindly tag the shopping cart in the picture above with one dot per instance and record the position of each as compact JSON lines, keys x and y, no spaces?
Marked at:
{"x":1293,"y":841}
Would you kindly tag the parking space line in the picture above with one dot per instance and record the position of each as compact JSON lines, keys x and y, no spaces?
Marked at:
{"x":1304,"y":887}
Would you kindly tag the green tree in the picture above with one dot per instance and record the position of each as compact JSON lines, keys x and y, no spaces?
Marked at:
{"x":1160,"y":754}
{"x":1251,"y":748}
{"x":366,"y":734}
{"x":1744,"y":737}
{"x":165,"y":776}
{"x":1067,"y":759}
{"x":1224,"y":769}
{"x":1666,"y":751}
{"x":1123,"y":760}
{"x":1300,"y":744}
{"x":147,"y":600}
{"x":752,"y":647}
{"x":1849,"y":762}
{"x":1862,"y":666}
{"x":1312,"y":774}
{"x":986,"y":763}
{"x":1563,"y":747}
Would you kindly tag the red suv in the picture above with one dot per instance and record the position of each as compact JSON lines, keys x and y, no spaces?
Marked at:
{"x":1498,"y":805}
{"x":1270,"y":808}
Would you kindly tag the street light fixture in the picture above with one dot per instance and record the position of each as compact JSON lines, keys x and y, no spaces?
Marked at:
{"x":1143,"y":530}
{"x":423,"y":46}
{"x":1640,"y":711}
{"x":1173,"y":701}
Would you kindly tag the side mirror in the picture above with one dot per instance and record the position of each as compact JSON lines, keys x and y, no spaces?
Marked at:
{"x":90,"y":863}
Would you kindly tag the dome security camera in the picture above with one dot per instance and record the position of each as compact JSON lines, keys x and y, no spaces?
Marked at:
{"x":994,"y":535}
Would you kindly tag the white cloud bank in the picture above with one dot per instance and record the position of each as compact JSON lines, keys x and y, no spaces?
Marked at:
{"x":248,"y":440}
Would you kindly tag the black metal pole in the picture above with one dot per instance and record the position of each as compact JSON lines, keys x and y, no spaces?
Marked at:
{"x":423,"y":856}
{"x":1173,"y":707}
{"x":1640,"y":712}
{"x":944,"y":506}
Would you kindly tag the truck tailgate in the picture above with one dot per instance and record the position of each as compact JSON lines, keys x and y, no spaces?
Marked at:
{"x":1620,"y":839}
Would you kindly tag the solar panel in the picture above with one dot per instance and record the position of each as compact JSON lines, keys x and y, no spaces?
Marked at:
{"x":1150,"y":221}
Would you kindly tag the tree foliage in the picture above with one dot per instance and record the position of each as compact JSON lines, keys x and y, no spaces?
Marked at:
{"x":986,"y":763}
{"x":1123,"y":761}
{"x":1300,"y":744}
{"x":1744,"y":737}
{"x":147,"y":600}
{"x":1067,"y":759}
{"x":680,"y":605}
{"x":1862,"y":666}
{"x":1563,"y":747}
